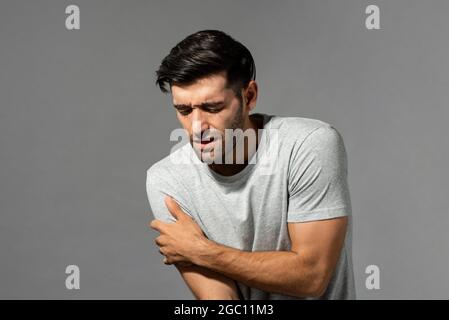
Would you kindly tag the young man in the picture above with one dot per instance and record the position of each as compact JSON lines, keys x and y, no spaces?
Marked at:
{"x":235,"y":229}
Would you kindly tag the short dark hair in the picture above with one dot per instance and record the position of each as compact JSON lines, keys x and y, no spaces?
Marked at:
{"x":205,"y":53}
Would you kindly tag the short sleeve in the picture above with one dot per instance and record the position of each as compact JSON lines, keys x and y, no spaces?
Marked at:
{"x":160,"y":184}
{"x":318,"y":187}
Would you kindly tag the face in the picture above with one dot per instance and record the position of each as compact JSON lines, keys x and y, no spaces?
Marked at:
{"x":205,"y":109}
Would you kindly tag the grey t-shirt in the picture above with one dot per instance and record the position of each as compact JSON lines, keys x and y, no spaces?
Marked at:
{"x":306,"y":180}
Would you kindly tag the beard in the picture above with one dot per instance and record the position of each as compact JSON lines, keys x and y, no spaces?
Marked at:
{"x":237,"y":121}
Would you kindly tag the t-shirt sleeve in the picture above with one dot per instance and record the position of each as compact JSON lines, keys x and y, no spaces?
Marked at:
{"x":160,"y":184}
{"x":318,"y":187}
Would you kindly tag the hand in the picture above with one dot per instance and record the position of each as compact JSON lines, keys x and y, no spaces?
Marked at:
{"x":181,"y":241}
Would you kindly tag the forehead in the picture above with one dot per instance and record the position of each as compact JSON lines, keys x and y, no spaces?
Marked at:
{"x":206,"y":89}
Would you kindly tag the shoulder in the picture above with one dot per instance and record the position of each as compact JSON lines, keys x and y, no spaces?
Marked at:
{"x":166,"y":168}
{"x":307,"y":131}
{"x":323,"y":137}
{"x":324,"y":147}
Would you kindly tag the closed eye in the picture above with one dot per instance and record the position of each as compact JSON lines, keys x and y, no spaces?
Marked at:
{"x":184,"y":110}
{"x":213,"y":110}
{"x":211,"y":107}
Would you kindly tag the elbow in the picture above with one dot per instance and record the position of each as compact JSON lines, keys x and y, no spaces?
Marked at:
{"x":316,"y":284}
{"x":318,"y":288}
{"x":314,"y":289}
{"x":319,"y":283}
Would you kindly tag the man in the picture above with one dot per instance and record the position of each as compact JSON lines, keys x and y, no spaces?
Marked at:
{"x":237,"y":230}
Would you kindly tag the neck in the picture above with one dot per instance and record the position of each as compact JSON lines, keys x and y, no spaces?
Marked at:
{"x":251,"y":123}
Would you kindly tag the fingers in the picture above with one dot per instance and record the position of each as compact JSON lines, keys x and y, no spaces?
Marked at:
{"x":154,"y":224}
{"x":158,"y":225}
{"x":183,"y":264}
{"x":174,"y":208}
{"x":162,"y":252}
{"x":160,"y":241}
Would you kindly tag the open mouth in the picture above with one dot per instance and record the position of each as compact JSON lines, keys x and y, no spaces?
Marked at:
{"x":206,"y":141}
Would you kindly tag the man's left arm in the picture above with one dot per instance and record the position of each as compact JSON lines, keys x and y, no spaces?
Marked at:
{"x":304,"y":271}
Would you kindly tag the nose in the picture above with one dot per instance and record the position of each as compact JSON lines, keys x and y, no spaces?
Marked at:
{"x":199,"y":121}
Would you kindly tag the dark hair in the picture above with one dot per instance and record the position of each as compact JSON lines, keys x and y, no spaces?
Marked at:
{"x":205,"y":53}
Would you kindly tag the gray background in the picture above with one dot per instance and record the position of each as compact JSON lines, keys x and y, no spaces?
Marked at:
{"x":81,"y":121}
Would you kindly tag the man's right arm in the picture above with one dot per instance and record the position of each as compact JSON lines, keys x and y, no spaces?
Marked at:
{"x":208,"y":285}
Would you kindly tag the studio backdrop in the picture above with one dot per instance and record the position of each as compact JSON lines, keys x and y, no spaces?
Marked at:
{"x":81,"y":121}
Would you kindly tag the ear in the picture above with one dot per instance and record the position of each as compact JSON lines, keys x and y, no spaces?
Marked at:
{"x":250,"y":95}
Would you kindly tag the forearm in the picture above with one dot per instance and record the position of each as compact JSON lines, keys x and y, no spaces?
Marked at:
{"x":284,"y":272}
{"x":206,"y":284}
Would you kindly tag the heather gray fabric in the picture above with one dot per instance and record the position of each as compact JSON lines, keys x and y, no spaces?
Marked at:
{"x":250,"y":210}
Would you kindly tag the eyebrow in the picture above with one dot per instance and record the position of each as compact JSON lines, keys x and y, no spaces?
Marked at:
{"x":201,"y":105}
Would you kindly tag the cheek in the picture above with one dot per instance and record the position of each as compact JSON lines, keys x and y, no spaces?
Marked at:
{"x":182,"y":120}
{"x":224,"y":119}
{"x":219,"y":123}
{"x":185,"y":122}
